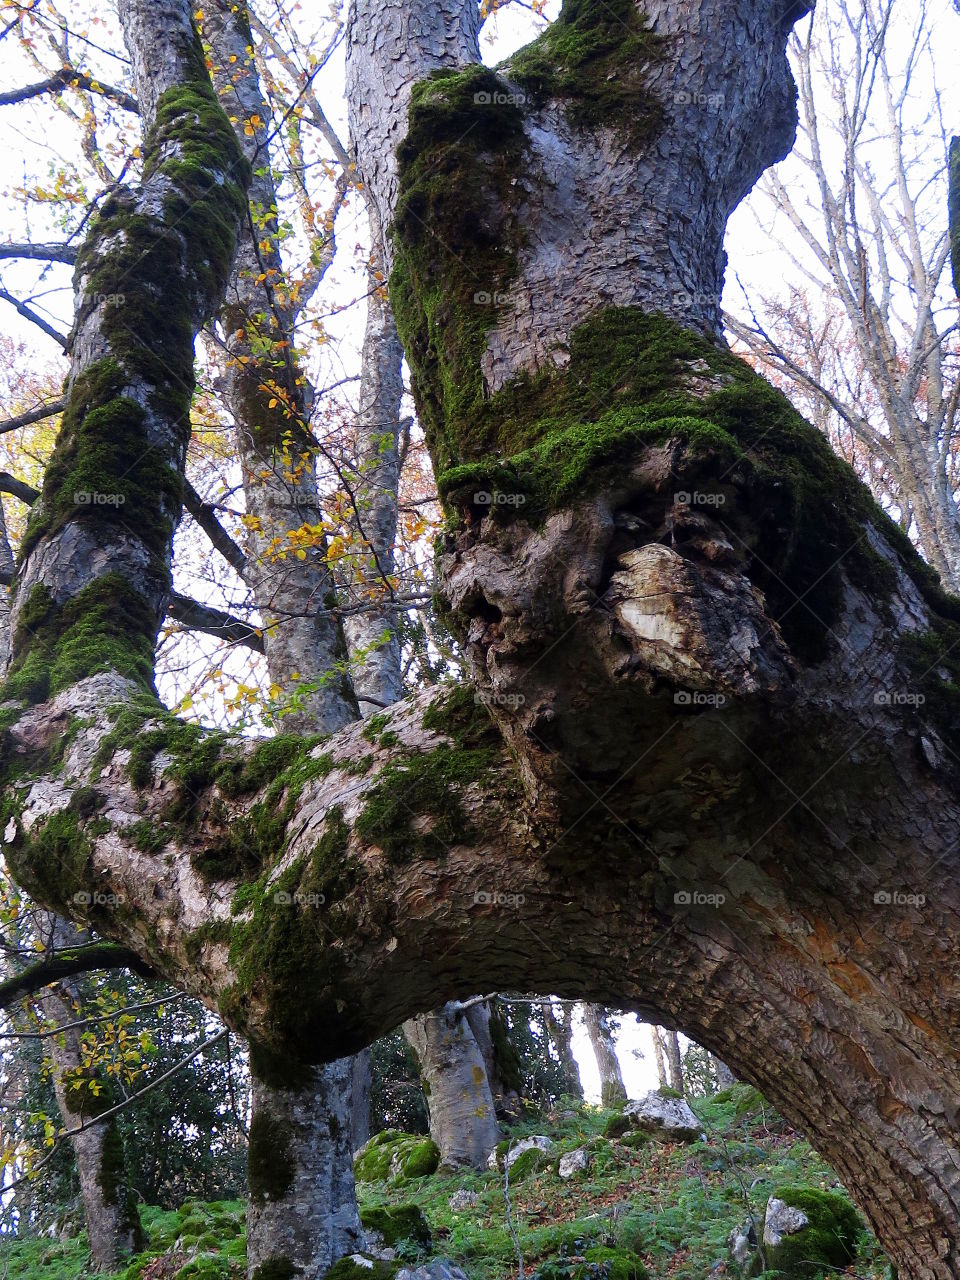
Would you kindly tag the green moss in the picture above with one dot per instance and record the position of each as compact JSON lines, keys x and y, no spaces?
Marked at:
{"x":413,"y":809}
{"x":743,"y":1097}
{"x":397,"y":1222}
{"x":666,"y":1092}
{"x":616,"y":1126}
{"x":395,"y":1154}
{"x":827,"y":1245}
{"x":116,"y":465}
{"x":792,"y":510}
{"x":596,"y":57}
{"x":456,"y":239}
{"x":595,"y":1262}
{"x":101,"y":628}
{"x":270,"y":1165}
{"x":53,"y":862}
{"x":529,"y":1162}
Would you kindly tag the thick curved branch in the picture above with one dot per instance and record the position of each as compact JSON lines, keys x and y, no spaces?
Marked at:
{"x":69,"y":78}
{"x":66,"y":964}
{"x":18,"y":488}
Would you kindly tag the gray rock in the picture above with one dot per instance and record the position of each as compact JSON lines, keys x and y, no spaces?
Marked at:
{"x":438,"y":1269}
{"x":669,"y":1119}
{"x":536,"y":1143}
{"x":742,"y":1241}
{"x":782,"y":1220}
{"x":463,"y":1199}
{"x":575,"y":1162}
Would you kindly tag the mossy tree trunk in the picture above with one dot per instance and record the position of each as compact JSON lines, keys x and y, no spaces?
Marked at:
{"x":597,"y":1022}
{"x":707,"y":790}
{"x":83,"y":1093}
{"x":302,"y":1213}
{"x":463,"y":1121}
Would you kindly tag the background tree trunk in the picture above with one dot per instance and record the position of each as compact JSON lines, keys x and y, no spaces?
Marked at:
{"x":463,"y":1120}
{"x":500,"y":1060}
{"x":597,"y":1022}
{"x":109,"y":1208}
{"x":560,"y":1030}
{"x":671,"y":1045}
{"x":658,"y":1054}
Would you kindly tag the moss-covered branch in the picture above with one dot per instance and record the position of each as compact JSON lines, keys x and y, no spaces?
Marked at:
{"x":66,"y":964}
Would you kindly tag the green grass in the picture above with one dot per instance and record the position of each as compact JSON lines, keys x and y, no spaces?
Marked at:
{"x":673,"y":1206}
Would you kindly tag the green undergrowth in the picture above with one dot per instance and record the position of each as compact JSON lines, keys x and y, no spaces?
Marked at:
{"x":595,"y":58}
{"x":659,"y":1211}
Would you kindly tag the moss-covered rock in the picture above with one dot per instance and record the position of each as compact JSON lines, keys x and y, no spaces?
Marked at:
{"x":743,"y":1098}
{"x":397,"y":1222}
{"x":396,"y":1156}
{"x":366,"y":1269}
{"x":827,"y":1245}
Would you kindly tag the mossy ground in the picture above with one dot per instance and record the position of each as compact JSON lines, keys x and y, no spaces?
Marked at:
{"x":670,"y":1207}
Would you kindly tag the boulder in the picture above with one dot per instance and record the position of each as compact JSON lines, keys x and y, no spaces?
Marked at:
{"x":438,"y":1269}
{"x":574,"y":1162}
{"x":463,"y":1199}
{"x":669,"y":1119}
{"x":742,"y":1242}
{"x":536,"y":1143}
{"x":782,"y":1220}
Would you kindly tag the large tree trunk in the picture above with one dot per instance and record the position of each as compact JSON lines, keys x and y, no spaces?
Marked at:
{"x":302,"y":1212}
{"x":463,"y":1120}
{"x":597,"y":1022}
{"x":500,"y":1059}
{"x":109,"y":1209}
{"x":561,"y":1037}
{"x":720,"y":791}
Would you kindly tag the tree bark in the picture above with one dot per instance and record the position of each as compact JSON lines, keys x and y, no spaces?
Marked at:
{"x":725,"y":1077}
{"x":597,"y":1022}
{"x":463,"y":1120}
{"x":300,"y":1154}
{"x":561,"y":1035}
{"x":499,"y":1059}
{"x":673,"y":773}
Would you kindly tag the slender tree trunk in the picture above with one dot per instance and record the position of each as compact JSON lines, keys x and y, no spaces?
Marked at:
{"x":597,"y":1022}
{"x":463,"y":1120}
{"x":661,"y":1061}
{"x":674,"y":1062}
{"x":109,"y":1208}
{"x":560,"y":1031}
{"x":305,"y":1216}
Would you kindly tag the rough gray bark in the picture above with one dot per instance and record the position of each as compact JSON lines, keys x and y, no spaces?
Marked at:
{"x":463,"y":1120}
{"x":725,"y":1077}
{"x":789,"y":887}
{"x":561,"y":1033}
{"x":301,"y":1154}
{"x":504,"y":1083}
{"x":109,"y":1210}
{"x":597,"y":1022}
{"x":372,"y":635}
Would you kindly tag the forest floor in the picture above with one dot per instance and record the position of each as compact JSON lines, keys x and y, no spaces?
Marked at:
{"x":673,"y":1205}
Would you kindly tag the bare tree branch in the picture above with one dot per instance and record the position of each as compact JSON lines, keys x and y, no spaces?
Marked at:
{"x":194,"y":616}
{"x":42,"y":252}
{"x":64,"y":964}
{"x":29,"y":314}
{"x":69,"y":78}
